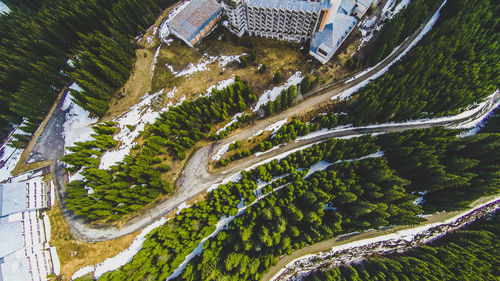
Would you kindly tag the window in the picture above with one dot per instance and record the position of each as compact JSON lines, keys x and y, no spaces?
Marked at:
{"x":322,"y":52}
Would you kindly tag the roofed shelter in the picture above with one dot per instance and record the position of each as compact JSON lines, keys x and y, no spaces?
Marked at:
{"x":195,"y":21}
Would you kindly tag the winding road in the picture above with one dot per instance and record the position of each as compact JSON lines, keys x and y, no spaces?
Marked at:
{"x":196,"y":179}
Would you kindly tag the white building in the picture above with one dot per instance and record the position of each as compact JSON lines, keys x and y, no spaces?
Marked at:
{"x":325,"y":22}
{"x":25,"y":231}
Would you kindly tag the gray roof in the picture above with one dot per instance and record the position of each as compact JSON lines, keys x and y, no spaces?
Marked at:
{"x":13,"y":198}
{"x":194,"y":17}
{"x":15,"y":270}
{"x":296,"y":5}
{"x":12,"y":238}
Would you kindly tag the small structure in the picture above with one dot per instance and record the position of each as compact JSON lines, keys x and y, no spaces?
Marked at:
{"x":195,"y":21}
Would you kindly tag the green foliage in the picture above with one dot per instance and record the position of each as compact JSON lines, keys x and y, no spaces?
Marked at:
{"x":285,"y":99}
{"x":278,"y":77}
{"x":137,"y":180}
{"x":262,"y":68}
{"x":467,"y":254}
{"x":294,"y":210}
{"x":39,"y":36}
{"x":453,"y":66}
{"x":398,"y":29}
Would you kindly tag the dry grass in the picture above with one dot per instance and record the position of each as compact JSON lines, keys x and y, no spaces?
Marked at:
{"x":74,"y":254}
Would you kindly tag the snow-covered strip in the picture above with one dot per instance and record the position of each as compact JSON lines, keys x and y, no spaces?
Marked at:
{"x":485,"y":107}
{"x":4,"y":9}
{"x":78,"y":124}
{"x":322,"y":165}
{"x":387,"y":11}
{"x":273,"y":127}
{"x":202,"y":65}
{"x":75,"y":87}
{"x":220,"y":152}
{"x":125,"y":256}
{"x":155,"y":58}
{"x":233,"y":120}
{"x":221,"y":85}
{"x":271,"y":95}
{"x":488,"y":107}
{"x":406,"y":235}
{"x":181,"y":207}
{"x":150,"y":39}
{"x":9,"y":156}
{"x":82,"y":272}
{"x":400,"y":6}
{"x":164,"y":32}
{"x":257,"y":154}
{"x":322,"y":132}
{"x":359,"y":75}
{"x":172,"y":69}
{"x":225,"y":60}
{"x":347,"y":93}
{"x":139,"y":116}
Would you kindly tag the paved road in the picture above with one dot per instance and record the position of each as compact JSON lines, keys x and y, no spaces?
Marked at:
{"x":195,"y":177}
{"x":51,"y":142}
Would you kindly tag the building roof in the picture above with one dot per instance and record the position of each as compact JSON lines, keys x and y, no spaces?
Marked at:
{"x":15,"y":270}
{"x":194,"y":17}
{"x":296,"y":5}
{"x":13,"y":198}
{"x":338,"y":26}
{"x":12,"y":237}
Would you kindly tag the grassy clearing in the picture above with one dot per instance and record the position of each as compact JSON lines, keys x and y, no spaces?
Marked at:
{"x":74,"y":254}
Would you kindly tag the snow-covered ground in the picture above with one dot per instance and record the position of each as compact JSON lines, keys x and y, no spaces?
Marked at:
{"x":232,"y":121}
{"x":273,"y":127}
{"x":78,"y":124}
{"x":271,"y":95}
{"x":205,"y":61}
{"x":322,"y":165}
{"x":4,"y":9}
{"x":11,"y":157}
{"x":138,"y":117}
{"x":347,"y":93}
{"x":221,"y":85}
{"x":220,"y":152}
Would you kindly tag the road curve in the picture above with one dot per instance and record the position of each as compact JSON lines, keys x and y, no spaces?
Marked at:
{"x":195,"y":178}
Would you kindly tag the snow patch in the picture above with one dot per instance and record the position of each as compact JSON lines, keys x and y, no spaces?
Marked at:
{"x":139,"y":116}
{"x":273,"y":127}
{"x":4,"y":9}
{"x":221,"y":85}
{"x":271,"y":95}
{"x":78,"y":124}
{"x":233,"y":120}
{"x":220,"y":152}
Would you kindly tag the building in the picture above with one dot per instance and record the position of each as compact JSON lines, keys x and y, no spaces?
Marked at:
{"x":325,"y":22}
{"x":22,"y":197}
{"x":195,"y":21}
{"x":24,"y":250}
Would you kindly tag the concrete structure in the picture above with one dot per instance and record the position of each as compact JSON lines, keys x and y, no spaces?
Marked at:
{"x":195,"y":21}
{"x":24,"y":250}
{"x":22,"y":197}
